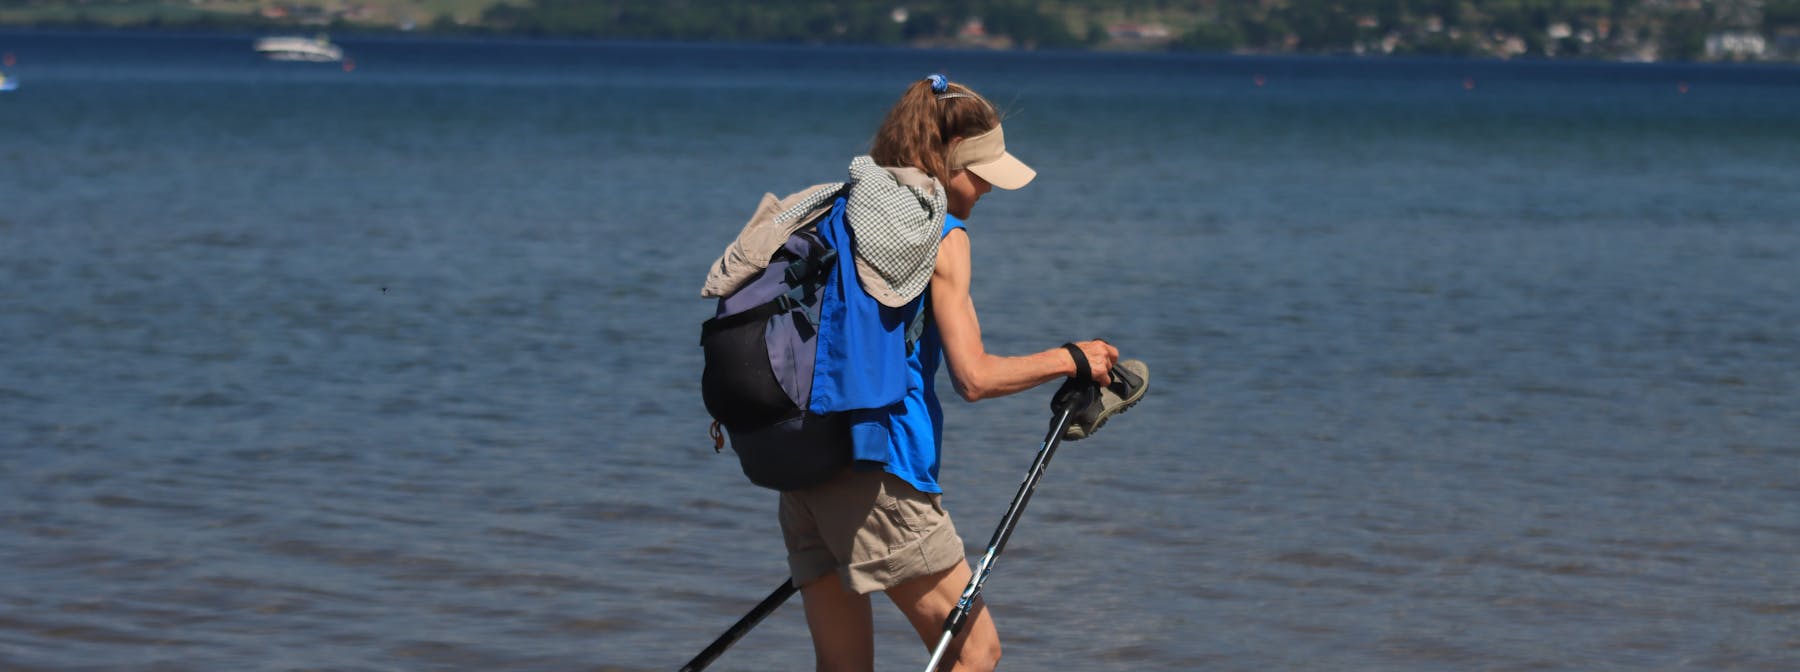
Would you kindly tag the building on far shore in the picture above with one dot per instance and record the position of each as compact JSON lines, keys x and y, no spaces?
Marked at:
{"x":1138,"y":35}
{"x":1736,"y":46}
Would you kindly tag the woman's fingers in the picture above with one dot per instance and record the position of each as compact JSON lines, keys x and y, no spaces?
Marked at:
{"x":1101,"y":357}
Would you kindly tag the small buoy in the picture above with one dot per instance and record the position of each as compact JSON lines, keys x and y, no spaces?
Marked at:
{"x":1468,"y":83}
{"x":349,"y":65}
{"x":10,"y":60}
{"x":1681,"y":87}
{"x":1259,"y":79}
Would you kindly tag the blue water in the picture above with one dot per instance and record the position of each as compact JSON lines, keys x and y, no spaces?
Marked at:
{"x":1456,"y":365}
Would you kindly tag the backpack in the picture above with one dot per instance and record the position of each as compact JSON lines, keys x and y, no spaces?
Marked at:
{"x":759,"y":350}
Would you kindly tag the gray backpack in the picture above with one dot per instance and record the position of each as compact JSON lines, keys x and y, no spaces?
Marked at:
{"x":759,"y":349}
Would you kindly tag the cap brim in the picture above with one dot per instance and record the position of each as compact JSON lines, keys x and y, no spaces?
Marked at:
{"x":1005,"y":172}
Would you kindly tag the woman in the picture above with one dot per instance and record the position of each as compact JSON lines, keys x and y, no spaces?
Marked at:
{"x":882,"y":526}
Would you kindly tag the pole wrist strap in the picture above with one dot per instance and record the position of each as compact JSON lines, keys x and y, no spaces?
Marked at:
{"x":1082,"y":372}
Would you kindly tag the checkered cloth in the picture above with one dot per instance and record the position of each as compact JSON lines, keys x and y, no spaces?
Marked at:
{"x":895,"y":214}
{"x":897,"y":217}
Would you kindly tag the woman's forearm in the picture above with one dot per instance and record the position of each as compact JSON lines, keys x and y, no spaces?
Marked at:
{"x":992,"y":376}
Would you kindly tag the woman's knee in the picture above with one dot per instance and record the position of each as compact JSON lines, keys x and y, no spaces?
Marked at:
{"x":979,"y":650}
{"x":979,"y":655}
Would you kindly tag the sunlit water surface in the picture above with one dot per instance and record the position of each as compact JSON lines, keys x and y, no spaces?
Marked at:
{"x":1456,"y":365}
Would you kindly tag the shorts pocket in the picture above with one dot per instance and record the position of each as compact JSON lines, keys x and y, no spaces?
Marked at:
{"x":902,"y":517}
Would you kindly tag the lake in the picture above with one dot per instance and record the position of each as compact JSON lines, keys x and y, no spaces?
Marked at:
{"x":1456,"y":365}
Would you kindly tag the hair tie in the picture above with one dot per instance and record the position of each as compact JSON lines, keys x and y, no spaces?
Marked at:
{"x":939,"y":83}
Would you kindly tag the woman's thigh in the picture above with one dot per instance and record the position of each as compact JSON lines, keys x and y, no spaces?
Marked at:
{"x":843,"y":632}
{"x":928,"y":600}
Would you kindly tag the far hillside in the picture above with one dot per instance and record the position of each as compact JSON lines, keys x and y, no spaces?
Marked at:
{"x":1637,"y":30}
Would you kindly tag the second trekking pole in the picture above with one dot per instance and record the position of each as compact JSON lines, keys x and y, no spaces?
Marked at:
{"x":1076,"y":393}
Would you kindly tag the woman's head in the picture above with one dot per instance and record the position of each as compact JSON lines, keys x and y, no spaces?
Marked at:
{"x":944,"y":129}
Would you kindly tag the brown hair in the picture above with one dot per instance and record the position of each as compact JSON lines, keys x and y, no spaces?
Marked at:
{"x":918,"y":129}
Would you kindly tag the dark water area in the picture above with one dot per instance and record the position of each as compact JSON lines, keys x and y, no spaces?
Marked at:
{"x":1456,"y":365}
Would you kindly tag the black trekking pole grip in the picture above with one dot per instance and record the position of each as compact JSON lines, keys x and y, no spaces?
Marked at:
{"x":1074,"y":394}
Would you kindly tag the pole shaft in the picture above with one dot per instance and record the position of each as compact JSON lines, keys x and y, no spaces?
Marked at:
{"x":742,"y":627}
{"x":997,"y":543}
{"x":937,"y":654}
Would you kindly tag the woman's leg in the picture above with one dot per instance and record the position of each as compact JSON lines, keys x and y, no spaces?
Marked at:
{"x":843,"y":632}
{"x":928,"y":600}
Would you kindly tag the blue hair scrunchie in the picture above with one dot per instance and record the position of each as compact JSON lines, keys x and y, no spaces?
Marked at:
{"x":939,"y":83}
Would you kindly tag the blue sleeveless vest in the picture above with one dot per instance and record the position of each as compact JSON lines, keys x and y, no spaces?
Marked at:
{"x":902,"y":436}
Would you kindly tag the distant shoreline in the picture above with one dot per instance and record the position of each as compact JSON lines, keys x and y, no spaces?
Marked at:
{"x":1649,"y":31}
{"x":385,"y":33}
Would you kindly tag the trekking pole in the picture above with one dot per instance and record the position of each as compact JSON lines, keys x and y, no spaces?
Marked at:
{"x":742,"y":627}
{"x":1074,"y":394}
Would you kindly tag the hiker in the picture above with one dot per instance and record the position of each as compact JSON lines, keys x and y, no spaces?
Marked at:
{"x":837,"y":305}
{"x":882,"y":526}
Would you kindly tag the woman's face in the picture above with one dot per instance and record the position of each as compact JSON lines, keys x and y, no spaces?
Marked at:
{"x":964,"y":189}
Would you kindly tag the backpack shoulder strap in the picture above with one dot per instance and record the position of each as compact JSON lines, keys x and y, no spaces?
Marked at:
{"x":915,"y":329}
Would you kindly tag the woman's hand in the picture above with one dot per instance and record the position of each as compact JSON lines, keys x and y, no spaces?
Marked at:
{"x":1101,"y":356}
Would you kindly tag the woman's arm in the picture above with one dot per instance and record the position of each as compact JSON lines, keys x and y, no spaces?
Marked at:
{"x":977,"y":374}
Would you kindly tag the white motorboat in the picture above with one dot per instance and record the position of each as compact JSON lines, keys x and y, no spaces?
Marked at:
{"x":316,"y":49}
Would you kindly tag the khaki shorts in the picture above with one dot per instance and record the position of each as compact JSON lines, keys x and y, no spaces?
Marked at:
{"x":872,"y":528}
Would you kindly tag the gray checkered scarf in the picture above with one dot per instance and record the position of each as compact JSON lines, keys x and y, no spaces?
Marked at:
{"x":897,"y":216}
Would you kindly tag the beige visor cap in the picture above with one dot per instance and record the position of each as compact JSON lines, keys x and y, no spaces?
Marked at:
{"x":985,"y":155}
